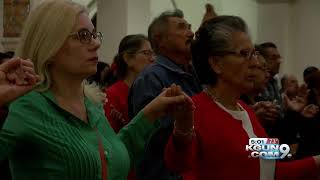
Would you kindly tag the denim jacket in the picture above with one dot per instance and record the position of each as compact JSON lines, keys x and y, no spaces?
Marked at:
{"x":146,"y":87}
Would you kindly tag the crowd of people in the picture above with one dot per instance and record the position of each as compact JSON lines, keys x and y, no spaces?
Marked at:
{"x":173,"y":105}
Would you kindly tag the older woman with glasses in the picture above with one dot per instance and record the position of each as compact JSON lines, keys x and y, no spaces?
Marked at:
{"x":134,"y":54}
{"x":59,"y":130}
{"x":213,"y":146}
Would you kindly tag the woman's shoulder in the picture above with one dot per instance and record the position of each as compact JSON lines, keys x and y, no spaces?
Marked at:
{"x":27,"y":111}
{"x":32,"y":98}
{"x":200,"y":99}
{"x":117,"y":87}
{"x":29,"y":106}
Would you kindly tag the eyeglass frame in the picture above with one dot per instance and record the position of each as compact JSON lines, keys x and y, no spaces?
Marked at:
{"x":248,"y":56}
{"x":146,"y":52}
{"x":93,"y":35}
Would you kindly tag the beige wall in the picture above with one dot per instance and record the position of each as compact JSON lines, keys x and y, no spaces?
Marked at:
{"x":193,"y":10}
{"x":138,"y":16}
{"x":294,"y":27}
{"x":274,"y":25}
{"x":305,"y":47}
{"x":1,"y":26}
{"x":247,"y":9}
{"x":117,"y":18}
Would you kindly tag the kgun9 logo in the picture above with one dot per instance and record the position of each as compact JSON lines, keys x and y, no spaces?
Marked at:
{"x":267,"y":148}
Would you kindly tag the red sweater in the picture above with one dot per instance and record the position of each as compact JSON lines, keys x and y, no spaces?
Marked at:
{"x":218,"y":150}
{"x":117,"y":99}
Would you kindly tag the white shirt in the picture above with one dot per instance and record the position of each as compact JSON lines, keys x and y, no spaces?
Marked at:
{"x":267,"y":167}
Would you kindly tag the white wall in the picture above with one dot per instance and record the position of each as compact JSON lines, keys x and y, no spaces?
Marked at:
{"x":247,"y":9}
{"x":274,"y":26}
{"x":306,"y":35}
{"x":112,"y":22}
{"x":293,"y":27}
{"x":193,"y":10}
{"x":1,"y":26}
{"x":139,"y":16}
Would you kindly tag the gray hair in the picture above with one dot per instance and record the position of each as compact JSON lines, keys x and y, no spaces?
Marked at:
{"x":213,"y":38}
{"x":159,"y":26}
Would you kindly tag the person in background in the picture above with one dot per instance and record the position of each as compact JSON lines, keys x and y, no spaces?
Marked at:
{"x":17,"y":77}
{"x":97,"y":78}
{"x":209,"y":14}
{"x":305,"y":116}
{"x":290,"y":92}
{"x":60,"y":126}
{"x":212,"y":145}
{"x":261,"y":79}
{"x":6,"y":56}
{"x":290,"y":86}
{"x":170,"y":36}
{"x":271,"y":93}
{"x":273,"y":58}
{"x":263,"y":109}
{"x":134,"y":54}
{"x":308,"y":71}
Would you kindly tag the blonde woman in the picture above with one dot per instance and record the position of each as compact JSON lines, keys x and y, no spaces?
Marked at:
{"x":59,"y":131}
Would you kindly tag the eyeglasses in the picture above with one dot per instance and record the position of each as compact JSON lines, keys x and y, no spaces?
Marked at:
{"x":147,"y":52}
{"x":85,"y":36}
{"x":243,"y":53}
{"x":274,"y":58}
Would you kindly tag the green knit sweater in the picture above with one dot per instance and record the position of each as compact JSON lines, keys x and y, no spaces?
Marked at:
{"x":43,"y":141}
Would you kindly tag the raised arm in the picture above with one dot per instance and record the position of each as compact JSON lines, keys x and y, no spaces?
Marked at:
{"x":138,"y":131}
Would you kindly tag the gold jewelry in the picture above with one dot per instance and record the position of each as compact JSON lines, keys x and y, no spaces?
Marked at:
{"x":214,"y":98}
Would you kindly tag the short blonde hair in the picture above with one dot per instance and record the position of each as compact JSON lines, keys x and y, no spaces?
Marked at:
{"x":45,"y":31}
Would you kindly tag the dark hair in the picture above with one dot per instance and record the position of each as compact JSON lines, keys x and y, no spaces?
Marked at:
{"x":313,"y":83}
{"x":97,"y":76}
{"x":130,"y":44}
{"x":213,"y":38}
{"x":314,"y":80}
{"x":94,"y":20}
{"x":109,"y":77}
{"x":263,"y":46}
{"x":6,"y":55}
{"x":159,"y":25}
{"x":309,"y":70}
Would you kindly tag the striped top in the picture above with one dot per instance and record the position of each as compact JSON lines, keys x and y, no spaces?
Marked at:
{"x":43,"y":141}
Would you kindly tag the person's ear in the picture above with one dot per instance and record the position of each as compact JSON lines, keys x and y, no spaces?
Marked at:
{"x":157,"y":37}
{"x":126,"y":58}
{"x":215,"y":64}
{"x":161,"y":40}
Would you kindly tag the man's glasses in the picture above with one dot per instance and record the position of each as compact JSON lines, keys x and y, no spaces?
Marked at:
{"x":85,"y":36}
{"x":243,"y":53}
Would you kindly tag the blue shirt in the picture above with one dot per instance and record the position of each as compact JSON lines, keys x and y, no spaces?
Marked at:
{"x":146,"y":87}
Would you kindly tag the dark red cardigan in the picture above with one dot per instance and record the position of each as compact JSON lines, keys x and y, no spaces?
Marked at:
{"x":218,"y":150}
